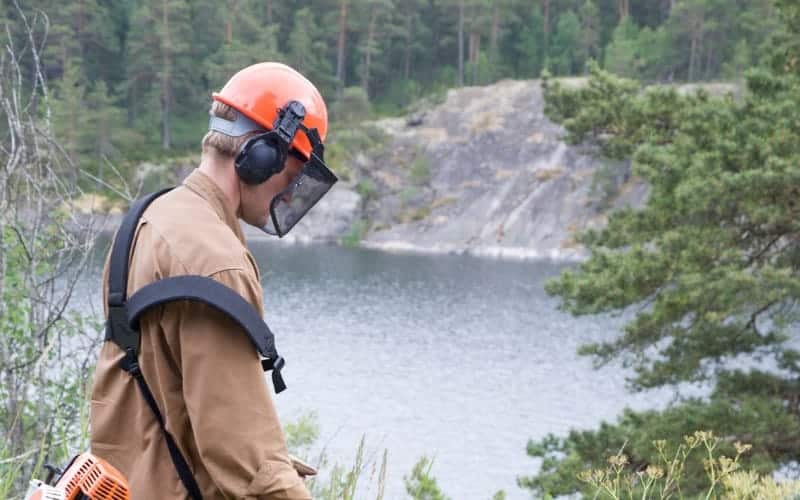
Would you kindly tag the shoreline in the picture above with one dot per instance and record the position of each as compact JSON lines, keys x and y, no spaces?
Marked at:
{"x":106,"y":225}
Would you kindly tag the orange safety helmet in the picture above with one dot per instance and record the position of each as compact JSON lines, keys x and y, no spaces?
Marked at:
{"x":261,"y":90}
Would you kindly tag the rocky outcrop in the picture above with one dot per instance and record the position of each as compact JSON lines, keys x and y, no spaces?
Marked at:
{"x":486,"y":173}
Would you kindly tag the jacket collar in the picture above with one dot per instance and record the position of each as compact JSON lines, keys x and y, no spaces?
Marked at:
{"x":203,"y":186}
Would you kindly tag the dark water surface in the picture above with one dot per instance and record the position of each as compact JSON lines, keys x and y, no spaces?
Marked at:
{"x":458,"y":358}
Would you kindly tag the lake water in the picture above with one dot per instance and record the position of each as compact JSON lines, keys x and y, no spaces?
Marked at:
{"x":457,"y":358}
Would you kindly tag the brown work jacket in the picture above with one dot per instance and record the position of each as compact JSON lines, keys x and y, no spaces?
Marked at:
{"x":202,"y":369}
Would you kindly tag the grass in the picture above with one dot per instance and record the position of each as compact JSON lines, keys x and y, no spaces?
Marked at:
{"x":420,"y":171}
{"x":366,"y":188}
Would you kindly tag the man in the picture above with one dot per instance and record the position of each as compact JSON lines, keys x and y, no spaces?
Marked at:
{"x":201,"y":368}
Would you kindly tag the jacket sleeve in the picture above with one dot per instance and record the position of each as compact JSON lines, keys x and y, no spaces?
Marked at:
{"x":229,"y":402}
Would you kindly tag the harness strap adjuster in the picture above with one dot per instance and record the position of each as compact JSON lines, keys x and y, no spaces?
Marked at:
{"x":130,"y":363}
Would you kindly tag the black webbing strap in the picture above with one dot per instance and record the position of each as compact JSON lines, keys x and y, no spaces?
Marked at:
{"x":131,"y":365}
{"x":121,"y":251}
{"x":122,"y":326}
{"x":219,"y":296}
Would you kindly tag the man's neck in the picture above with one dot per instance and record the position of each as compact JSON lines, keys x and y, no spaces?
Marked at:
{"x":221,"y":171}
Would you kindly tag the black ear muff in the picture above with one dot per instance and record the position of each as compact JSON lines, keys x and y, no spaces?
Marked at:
{"x":260,"y":158}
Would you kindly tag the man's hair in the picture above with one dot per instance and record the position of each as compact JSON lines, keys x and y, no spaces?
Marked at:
{"x":224,"y":144}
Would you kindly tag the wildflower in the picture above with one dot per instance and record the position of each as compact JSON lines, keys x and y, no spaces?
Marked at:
{"x":618,"y":460}
{"x":654,"y":472}
{"x":703,"y":436}
{"x":742,"y":448}
{"x":727,"y":465}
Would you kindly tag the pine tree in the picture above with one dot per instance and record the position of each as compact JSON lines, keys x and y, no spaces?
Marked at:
{"x":158,"y":57}
{"x":709,"y":269}
{"x":589,"y":35}
{"x":243,"y":40}
{"x":376,"y":14}
{"x":306,"y":52}
{"x":564,"y":46}
{"x":69,"y":108}
{"x":622,"y":54}
{"x":525,"y":48}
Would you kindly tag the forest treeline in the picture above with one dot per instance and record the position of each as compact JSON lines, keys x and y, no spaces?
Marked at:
{"x":131,"y":78}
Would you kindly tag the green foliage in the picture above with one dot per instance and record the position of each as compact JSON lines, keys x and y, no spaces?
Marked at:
{"x":352,"y":107}
{"x":707,"y":270}
{"x":44,"y":413}
{"x":421,"y":485}
{"x":133,"y":79}
{"x":589,"y":33}
{"x":306,"y":49}
{"x":342,"y":482}
{"x":739,"y":408}
{"x":300,"y":435}
{"x":420,"y":170}
{"x":366,"y":188}
{"x":623,"y":55}
{"x":347,"y":147}
{"x":358,"y":230}
{"x":564,"y":45}
{"x":527,"y":47}
{"x":703,"y":252}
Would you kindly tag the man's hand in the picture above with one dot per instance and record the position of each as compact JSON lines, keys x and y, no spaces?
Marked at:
{"x":303,"y":469}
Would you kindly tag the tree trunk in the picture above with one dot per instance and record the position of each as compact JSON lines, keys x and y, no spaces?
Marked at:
{"x":495,"y":30}
{"x":696,"y":25}
{"x":407,"y":66}
{"x":461,"y":43}
{"x":473,"y":55}
{"x":165,"y":77}
{"x":269,"y":12}
{"x":229,"y":15}
{"x":623,"y":9}
{"x":340,"y":54}
{"x":546,"y":15}
{"x":709,"y":58}
{"x":368,"y":49}
{"x":81,"y":29}
{"x":475,"y":59}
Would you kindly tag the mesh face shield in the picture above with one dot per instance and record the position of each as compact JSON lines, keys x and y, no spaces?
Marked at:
{"x":290,"y":205}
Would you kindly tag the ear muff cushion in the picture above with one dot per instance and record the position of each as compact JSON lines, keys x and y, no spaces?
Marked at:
{"x":259,"y":159}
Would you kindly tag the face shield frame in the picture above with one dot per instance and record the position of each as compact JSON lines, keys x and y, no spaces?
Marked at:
{"x":313,"y":181}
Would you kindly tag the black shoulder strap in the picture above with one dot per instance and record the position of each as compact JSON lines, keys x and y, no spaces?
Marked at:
{"x":222,"y":298}
{"x":122,"y":326}
{"x":121,"y":250}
